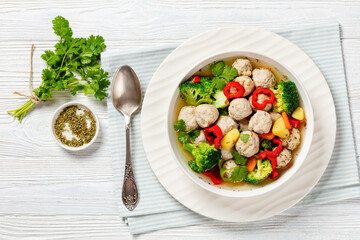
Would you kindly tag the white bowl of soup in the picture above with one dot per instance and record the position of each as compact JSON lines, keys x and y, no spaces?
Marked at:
{"x":239,"y":124}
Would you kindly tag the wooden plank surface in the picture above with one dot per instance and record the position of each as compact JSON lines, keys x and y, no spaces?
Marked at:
{"x":49,"y":193}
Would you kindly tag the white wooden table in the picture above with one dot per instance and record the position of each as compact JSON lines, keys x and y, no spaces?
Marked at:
{"x":48,"y":193}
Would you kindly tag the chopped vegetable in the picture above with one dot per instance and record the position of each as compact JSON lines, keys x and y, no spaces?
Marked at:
{"x":244,"y":137}
{"x":273,"y":161}
{"x":180,"y":126}
{"x":251,"y":164}
{"x":230,"y":138}
{"x":223,"y":111}
{"x":197,"y":93}
{"x":185,"y":137}
{"x":279,"y":129}
{"x":265,"y":91}
{"x":294,"y":123}
{"x":233,"y":90}
{"x":286,"y":120}
{"x":218,"y":68}
{"x":74,"y":65}
{"x":221,"y":100}
{"x":262,"y":171}
{"x":213,"y":178}
{"x":213,"y":135}
{"x":238,"y":173}
{"x":266,"y":145}
{"x":267,"y":136}
{"x":223,"y":74}
{"x":286,"y":96}
{"x":196,"y":79}
{"x":299,"y":114}
{"x":274,"y":153}
{"x":239,"y":159}
{"x":206,"y":156}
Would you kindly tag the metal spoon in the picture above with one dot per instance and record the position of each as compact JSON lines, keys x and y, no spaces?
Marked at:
{"x":126,"y":98}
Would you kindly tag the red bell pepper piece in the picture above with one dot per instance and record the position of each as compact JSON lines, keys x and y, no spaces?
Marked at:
{"x":214,"y":135}
{"x":196,"y":79}
{"x":294,"y":122}
{"x":274,"y":153}
{"x":265,"y":91}
{"x":273,"y":161}
{"x":231,"y":93}
{"x":213,"y":178}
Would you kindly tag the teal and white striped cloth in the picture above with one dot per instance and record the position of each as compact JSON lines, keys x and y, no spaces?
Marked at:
{"x":157,"y":209}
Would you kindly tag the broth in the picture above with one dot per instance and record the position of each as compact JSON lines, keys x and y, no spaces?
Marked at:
{"x":206,"y":72}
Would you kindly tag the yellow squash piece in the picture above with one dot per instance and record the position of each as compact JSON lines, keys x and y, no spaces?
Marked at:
{"x":279,"y":129}
{"x":298,"y":114}
{"x":229,"y":140}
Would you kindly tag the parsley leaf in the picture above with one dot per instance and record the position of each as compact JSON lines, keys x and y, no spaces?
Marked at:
{"x":219,"y":83}
{"x":229,"y":73}
{"x":239,"y":174}
{"x":244,"y":137}
{"x":183,"y":137}
{"x":218,"y":68}
{"x":180,"y":125}
{"x":223,"y":74}
{"x":239,"y":159}
{"x":193,"y":134}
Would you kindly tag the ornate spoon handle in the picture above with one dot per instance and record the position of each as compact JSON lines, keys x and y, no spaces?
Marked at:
{"x":129,"y":191}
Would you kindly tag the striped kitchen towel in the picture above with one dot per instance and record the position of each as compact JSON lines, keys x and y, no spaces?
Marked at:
{"x":156,"y":208}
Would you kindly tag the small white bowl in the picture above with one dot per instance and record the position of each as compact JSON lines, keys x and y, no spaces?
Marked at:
{"x":177,"y":151}
{"x":55,"y":116}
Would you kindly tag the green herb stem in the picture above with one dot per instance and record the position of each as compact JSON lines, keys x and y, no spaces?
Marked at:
{"x":21,"y":111}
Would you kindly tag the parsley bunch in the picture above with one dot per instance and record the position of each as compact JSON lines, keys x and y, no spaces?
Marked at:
{"x":74,"y":65}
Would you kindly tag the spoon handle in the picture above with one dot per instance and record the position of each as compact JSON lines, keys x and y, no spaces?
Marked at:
{"x":129,"y":190}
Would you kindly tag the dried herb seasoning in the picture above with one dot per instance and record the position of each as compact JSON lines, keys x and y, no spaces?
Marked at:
{"x":76,"y":122}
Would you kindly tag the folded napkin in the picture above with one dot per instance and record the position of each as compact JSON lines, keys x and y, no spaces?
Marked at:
{"x":156,"y":208}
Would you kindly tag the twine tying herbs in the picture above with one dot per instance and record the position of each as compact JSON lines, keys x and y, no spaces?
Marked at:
{"x":32,"y":95}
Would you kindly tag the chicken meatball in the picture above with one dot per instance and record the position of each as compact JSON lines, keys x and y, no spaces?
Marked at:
{"x":251,"y":146}
{"x":275,"y":116}
{"x":187,"y":114}
{"x":206,"y":114}
{"x":260,"y":122}
{"x":292,"y":141}
{"x":226,"y":154}
{"x":226,"y":124}
{"x":244,"y":124}
{"x":261,"y":98}
{"x":201,"y":138}
{"x":263,"y":78}
{"x":284,"y":158}
{"x":243,"y":66}
{"x":229,"y":167}
{"x":239,"y":108}
{"x":247,"y":83}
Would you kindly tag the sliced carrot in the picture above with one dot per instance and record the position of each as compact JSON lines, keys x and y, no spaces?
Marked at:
{"x":251,"y":163}
{"x":286,"y":120}
{"x":267,"y":136}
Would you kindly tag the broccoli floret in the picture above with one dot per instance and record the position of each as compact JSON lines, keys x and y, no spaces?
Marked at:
{"x":262,"y":171}
{"x":197,"y":93}
{"x":286,"y":96}
{"x":206,"y":156}
{"x":266,"y":145}
{"x":221,"y":100}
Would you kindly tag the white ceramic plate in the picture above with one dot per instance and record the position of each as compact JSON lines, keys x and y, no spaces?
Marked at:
{"x":153,"y":122}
